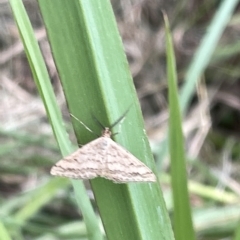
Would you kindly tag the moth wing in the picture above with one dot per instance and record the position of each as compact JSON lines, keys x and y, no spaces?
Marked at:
{"x":122,"y":166}
{"x":85,"y":163}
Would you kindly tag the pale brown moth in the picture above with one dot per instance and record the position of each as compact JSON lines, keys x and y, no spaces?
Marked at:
{"x":103,"y":157}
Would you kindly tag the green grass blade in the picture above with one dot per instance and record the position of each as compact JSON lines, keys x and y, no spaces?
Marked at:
{"x":214,"y":222}
{"x":4,"y":235}
{"x":96,"y":79}
{"x":183,"y":227}
{"x":42,"y":81}
{"x":204,"y":53}
{"x":237,"y":232}
{"x":200,"y":61}
{"x":41,"y":197}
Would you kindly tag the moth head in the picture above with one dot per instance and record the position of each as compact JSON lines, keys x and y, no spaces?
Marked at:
{"x":106,"y":132}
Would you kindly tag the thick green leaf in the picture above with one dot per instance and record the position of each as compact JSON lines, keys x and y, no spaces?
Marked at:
{"x":96,"y":80}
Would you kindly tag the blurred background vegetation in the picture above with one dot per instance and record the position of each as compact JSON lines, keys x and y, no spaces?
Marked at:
{"x":211,"y":125}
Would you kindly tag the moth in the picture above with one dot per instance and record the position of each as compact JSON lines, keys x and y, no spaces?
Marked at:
{"x":105,"y":158}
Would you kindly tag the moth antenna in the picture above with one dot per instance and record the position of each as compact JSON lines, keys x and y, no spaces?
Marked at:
{"x":113,"y":134}
{"x":120,"y":118}
{"x":90,"y":130}
{"x":101,"y":125}
{"x":98,"y":122}
{"x":115,"y":123}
